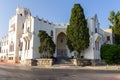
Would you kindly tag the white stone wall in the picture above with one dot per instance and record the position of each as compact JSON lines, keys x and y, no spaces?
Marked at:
{"x":27,"y":36}
{"x":95,"y":36}
{"x":108,"y":32}
{"x":40,"y":24}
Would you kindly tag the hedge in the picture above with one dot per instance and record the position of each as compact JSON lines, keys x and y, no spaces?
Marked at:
{"x":110,"y":53}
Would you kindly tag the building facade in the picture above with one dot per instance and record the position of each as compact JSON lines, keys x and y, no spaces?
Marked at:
{"x":23,"y":41}
{"x":4,"y":48}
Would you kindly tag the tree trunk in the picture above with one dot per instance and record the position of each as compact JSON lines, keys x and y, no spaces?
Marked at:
{"x":79,"y":52}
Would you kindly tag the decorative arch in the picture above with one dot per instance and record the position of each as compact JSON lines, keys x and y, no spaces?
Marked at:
{"x":51,"y":33}
{"x":61,"y":45}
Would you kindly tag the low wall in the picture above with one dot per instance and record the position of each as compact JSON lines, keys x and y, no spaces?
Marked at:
{"x":44,"y":62}
{"x":81,"y":62}
{"x":97,"y":62}
{"x":30,"y":62}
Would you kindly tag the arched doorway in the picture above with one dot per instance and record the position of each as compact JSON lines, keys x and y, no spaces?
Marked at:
{"x":61,"y":45}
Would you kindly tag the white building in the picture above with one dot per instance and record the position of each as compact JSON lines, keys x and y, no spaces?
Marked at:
{"x":23,"y":41}
{"x":4,"y":48}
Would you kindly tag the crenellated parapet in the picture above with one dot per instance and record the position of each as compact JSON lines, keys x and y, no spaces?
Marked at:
{"x":44,"y":21}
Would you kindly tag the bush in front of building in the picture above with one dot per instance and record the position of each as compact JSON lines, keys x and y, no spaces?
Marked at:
{"x":110,"y":53}
{"x":47,"y":46}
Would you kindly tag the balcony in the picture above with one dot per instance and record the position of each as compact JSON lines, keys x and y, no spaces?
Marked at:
{"x":97,"y":37}
{"x":27,"y":35}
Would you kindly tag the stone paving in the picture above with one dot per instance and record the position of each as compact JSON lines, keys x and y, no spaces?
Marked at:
{"x":18,"y":72}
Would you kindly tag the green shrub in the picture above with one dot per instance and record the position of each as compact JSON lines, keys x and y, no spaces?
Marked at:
{"x":110,"y":53}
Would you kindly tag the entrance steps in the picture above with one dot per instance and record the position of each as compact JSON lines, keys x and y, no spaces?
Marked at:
{"x":63,"y":62}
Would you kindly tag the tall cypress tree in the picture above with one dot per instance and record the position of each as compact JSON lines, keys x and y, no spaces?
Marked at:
{"x":77,"y":31}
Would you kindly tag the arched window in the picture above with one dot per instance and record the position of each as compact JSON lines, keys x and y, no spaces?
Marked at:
{"x":28,"y":29}
{"x":21,"y":14}
{"x":95,"y":30}
{"x":11,"y":46}
{"x":21,"y":46}
{"x":51,"y":33}
{"x":28,"y":44}
{"x":23,"y":26}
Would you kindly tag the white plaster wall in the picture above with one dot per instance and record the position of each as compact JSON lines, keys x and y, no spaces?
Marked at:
{"x":88,"y":53}
{"x":2,"y":55}
{"x":108,"y":32}
{"x":28,"y":54}
{"x":39,"y":25}
{"x":97,"y":54}
{"x":16,"y":34}
{"x":91,"y":52}
{"x":19,"y":32}
{"x":12,"y":35}
{"x":90,"y":24}
{"x":4,"y":44}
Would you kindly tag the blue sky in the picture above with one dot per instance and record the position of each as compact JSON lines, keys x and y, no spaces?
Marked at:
{"x":57,"y":11}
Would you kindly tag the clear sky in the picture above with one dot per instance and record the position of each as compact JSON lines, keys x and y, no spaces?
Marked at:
{"x":57,"y":11}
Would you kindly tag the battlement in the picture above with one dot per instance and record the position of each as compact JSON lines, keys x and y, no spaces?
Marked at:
{"x":50,"y":23}
{"x":23,"y":11}
{"x":44,"y":21}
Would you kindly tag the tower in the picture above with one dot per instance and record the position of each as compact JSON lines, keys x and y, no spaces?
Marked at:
{"x":16,"y":27}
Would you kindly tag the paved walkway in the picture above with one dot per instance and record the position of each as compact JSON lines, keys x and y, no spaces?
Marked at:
{"x":19,"y":72}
